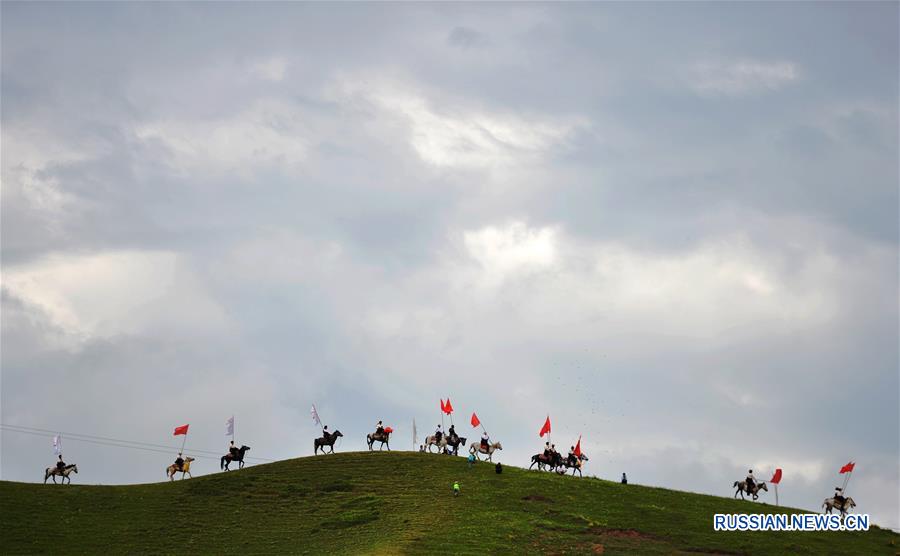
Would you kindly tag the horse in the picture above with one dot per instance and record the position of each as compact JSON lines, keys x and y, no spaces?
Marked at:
{"x":454,"y":443}
{"x":829,"y":504}
{"x":742,"y":488}
{"x":579,"y":463}
{"x":384,"y":438}
{"x":554,"y":461}
{"x":64,"y":473}
{"x":475,"y":448}
{"x":228,"y":458}
{"x":322,"y":442}
{"x":185,"y":468}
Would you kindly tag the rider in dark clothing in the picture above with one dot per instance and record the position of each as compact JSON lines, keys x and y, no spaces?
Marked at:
{"x":839,"y":497}
{"x":61,"y":465}
{"x":233,"y":450}
{"x":179,"y":462}
{"x":438,"y":434}
{"x":547,"y":451}
{"x":451,"y":434}
{"x":751,"y":482}
{"x":326,"y":436}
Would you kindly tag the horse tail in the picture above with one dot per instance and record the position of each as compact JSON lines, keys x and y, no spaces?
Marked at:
{"x":735,"y":484}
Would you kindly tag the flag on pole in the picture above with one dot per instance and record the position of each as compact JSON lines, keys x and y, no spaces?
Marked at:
{"x":57,"y":445}
{"x":578,"y":447}
{"x":776,"y":478}
{"x":475,"y":421}
{"x":443,"y":407}
{"x":448,"y":409}
{"x":415,"y":435}
{"x":229,"y":426}
{"x":546,"y":428}
{"x":183,"y":429}
{"x":315,"y":415}
{"x":848,"y":468}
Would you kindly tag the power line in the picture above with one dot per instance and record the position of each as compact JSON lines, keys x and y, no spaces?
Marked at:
{"x":115,"y":442}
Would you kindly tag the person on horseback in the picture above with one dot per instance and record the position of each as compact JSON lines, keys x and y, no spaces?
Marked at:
{"x":179,"y":462}
{"x":572,"y":458}
{"x":485,"y":440}
{"x":438,"y":434}
{"x":326,"y":436}
{"x":451,"y":434}
{"x":751,"y":481}
{"x":233,"y":451}
{"x":547,"y":451}
{"x":379,"y":429}
{"x":61,"y":465}
{"x":839,"y":498}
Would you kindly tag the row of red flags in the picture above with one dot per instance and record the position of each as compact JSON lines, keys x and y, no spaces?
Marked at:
{"x":447,"y":408}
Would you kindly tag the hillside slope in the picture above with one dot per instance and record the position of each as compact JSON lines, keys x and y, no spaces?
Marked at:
{"x":389,"y":503}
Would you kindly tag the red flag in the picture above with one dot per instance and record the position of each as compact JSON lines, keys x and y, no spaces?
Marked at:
{"x":181,"y":430}
{"x":848,"y":468}
{"x":443,"y":407}
{"x":475,"y":421}
{"x":448,"y":409}
{"x":776,"y":478}
{"x":578,"y":447}
{"x":546,"y":428}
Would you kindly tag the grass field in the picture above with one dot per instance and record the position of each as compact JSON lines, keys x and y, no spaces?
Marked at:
{"x":390,"y":503}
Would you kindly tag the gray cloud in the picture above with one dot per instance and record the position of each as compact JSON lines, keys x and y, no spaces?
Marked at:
{"x":672,"y":228}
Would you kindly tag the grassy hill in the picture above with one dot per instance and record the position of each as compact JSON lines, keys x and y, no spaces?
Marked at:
{"x":390,"y":503}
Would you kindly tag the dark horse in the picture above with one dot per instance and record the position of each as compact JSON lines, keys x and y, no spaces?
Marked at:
{"x":228,"y":458}
{"x":372,"y":438}
{"x":326,"y":441}
{"x":554,"y":461}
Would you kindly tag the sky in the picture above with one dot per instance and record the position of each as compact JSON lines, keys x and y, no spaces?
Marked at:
{"x":673,"y":228}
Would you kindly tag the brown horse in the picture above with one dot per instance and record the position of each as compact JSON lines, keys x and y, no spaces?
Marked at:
{"x":454,"y":443}
{"x":64,"y":473}
{"x":186,"y":468}
{"x":322,"y":442}
{"x":742,"y":488}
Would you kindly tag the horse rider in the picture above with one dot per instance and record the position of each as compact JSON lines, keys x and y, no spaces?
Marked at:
{"x":233,"y":451}
{"x":451,"y":434}
{"x":839,"y":498}
{"x":179,"y":462}
{"x":438,"y":433}
{"x":485,"y":441}
{"x":61,"y":465}
{"x":751,"y":481}
{"x":379,"y":429}
{"x":547,"y":451}
{"x":572,"y":458}
{"x":326,"y":436}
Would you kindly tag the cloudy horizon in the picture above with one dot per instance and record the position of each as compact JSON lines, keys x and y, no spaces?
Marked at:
{"x":671,"y":227}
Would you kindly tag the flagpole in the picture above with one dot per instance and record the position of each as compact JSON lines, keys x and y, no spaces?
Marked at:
{"x":232,"y":428}
{"x":182,"y":443}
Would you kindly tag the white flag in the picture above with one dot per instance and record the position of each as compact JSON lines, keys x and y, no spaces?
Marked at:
{"x":315,"y":415}
{"x":57,"y":445}
{"x":415,"y":436}
{"x":229,"y":427}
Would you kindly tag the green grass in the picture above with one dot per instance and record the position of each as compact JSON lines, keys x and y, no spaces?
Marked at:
{"x":390,"y":503}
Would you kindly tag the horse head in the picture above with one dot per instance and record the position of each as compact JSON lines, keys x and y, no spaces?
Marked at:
{"x":851,"y":502}
{"x":583,"y":457}
{"x":336,"y":434}
{"x":74,"y":468}
{"x":762,"y":486}
{"x":498,"y":446}
{"x":245,"y":449}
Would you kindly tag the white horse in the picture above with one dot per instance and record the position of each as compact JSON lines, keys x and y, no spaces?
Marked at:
{"x":475,"y":448}
{"x":742,"y":488}
{"x":829,"y":504}
{"x":54,"y":471}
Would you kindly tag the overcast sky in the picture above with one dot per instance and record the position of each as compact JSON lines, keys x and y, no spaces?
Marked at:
{"x":673,"y":227}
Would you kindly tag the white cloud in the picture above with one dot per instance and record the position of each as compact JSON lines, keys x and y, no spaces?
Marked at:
{"x":445,"y":133}
{"x":269,"y":134}
{"x":744,"y":77}
{"x":273,"y":69}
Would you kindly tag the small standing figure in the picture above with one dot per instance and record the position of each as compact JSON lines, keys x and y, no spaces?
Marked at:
{"x":471,"y":459}
{"x":498,"y":468}
{"x":624,"y":479}
{"x":422,"y":448}
{"x":455,"y":488}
